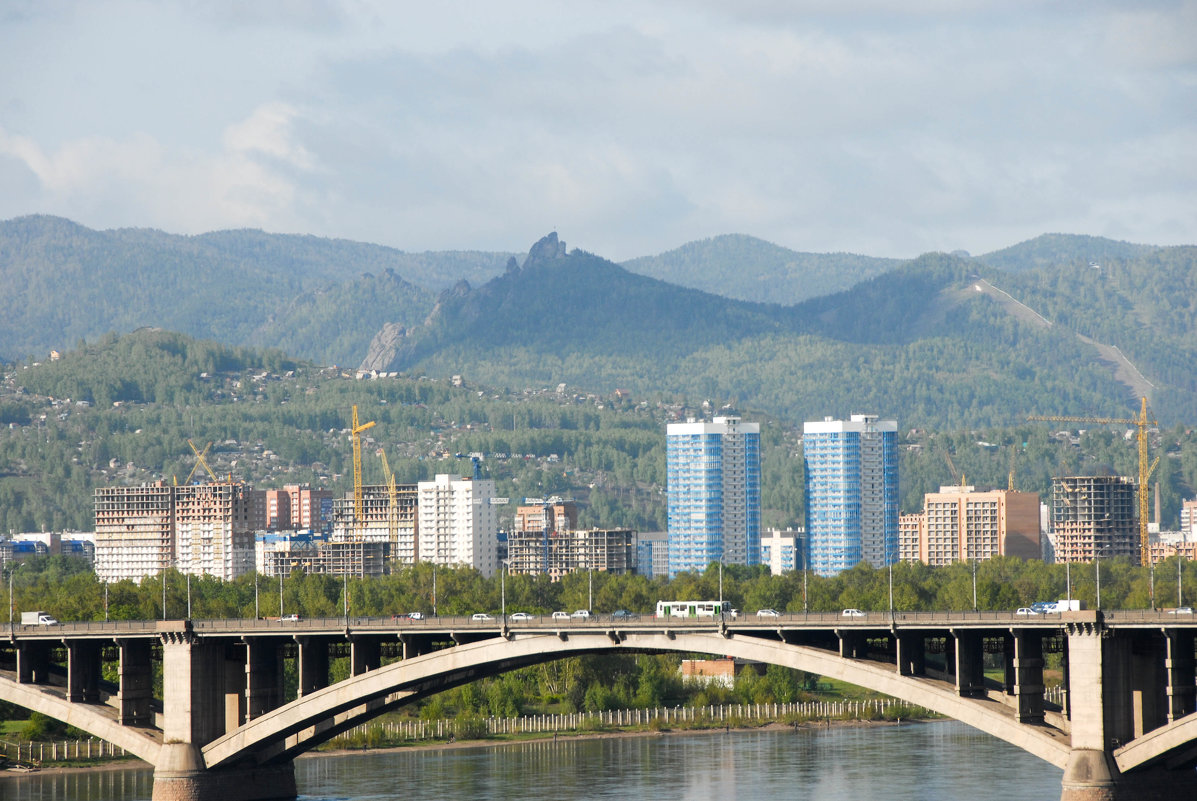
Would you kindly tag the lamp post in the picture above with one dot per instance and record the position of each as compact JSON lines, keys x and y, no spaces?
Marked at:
{"x":590,"y":594}
{"x":257,"y":614}
{"x":280,"y":593}
{"x":503,"y":591}
{"x":974,"y":585}
{"x":1179,"y":580}
{"x":164,"y":593}
{"x":189,"y":596}
{"x":434,"y":614}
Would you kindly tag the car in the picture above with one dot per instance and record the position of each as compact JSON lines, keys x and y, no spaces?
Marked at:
{"x":289,"y":618}
{"x":481,"y":616}
{"x":415,"y":615}
{"x":581,"y":613}
{"x":623,"y":614}
{"x":767,"y":613}
{"x":852,"y":613}
{"x":1027,"y":610}
{"x":1181,"y":610}
{"x":516,"y":616}
{"x":561,"y":616}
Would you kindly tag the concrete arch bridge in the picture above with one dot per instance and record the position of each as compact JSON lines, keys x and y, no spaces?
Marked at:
{"x":224,"y":728}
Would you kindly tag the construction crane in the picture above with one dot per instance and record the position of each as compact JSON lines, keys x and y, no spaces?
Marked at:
{"x":1141,"y":423}
{"x":355,"y":432}
{"x":393,"y":496}
{"x":1010,"y":479}
{"x":199,"y":460}
{"x":956,"y":474}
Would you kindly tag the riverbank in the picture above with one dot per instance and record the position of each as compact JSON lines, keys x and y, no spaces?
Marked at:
{"x":496,"y":741}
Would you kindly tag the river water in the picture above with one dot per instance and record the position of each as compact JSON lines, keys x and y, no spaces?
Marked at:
{"x":941,"y":761}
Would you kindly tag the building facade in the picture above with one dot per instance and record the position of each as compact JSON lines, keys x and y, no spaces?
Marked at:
{"x":782,"y":550}
{"x":396,"y":524}
{"x":532,"y":543}
{"x":713,"y":475}
{"x":135,"y":531}
{"x":652,"y":553}
{"x":457,"y":523}
{"x":1095,"y":517}
{"x":851,"y":474}
{"x":960,"y":524}
{"x":214,"y":529}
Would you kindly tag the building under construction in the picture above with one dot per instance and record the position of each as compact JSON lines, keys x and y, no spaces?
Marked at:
{"x":546,"y":539}
{"x":135,"y":531}
{"x":285,"y":553}
{"x":381,"y":522}
{"x":1095,"y":517}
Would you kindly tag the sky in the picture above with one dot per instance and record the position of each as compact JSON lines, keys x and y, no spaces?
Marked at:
{"x":868,"y":126}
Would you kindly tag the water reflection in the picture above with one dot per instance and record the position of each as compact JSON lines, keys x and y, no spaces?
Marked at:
{"x":913,"y":762}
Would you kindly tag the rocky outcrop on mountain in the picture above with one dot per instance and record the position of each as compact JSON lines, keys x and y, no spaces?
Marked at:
{"x":384,"y":347}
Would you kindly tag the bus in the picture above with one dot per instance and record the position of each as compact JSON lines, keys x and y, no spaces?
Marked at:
{"x":691,"y":609}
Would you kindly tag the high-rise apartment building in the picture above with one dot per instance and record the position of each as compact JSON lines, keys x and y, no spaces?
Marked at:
{"x":960,"y":524}
{"x":713,"y":475}
{"x":532,"y":541}
{"x":457,"y":523}
{"x":135,"y":531}
{"x":214,"y":529}
{"x":381,"y":522}
{"x":1095,"y":517}
{"x":851,"y":472}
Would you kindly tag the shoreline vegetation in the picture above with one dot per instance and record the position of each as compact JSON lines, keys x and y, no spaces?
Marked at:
{"x":382,"y":737}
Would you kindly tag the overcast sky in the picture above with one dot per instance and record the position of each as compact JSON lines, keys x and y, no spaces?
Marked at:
{"x":872,"y":126}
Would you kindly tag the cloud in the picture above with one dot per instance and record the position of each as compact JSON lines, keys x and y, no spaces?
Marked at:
{"x":139,"y":180}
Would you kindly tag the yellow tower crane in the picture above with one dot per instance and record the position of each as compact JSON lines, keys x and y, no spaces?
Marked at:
{"x":1141,"y":423}
{"x":199,"y":460}
{"x":356,"y":434}
{"x":393,"y":496}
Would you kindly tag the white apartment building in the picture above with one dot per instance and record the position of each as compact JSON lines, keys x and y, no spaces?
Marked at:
{"x":457,"y":523}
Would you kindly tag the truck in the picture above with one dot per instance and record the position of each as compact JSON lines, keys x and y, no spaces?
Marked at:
{"x":38,"y":618}
{"x":1062,"y":605}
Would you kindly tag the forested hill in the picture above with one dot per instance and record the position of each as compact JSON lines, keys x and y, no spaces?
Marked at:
{"x":747,"y":268}
{"x":63,"y":282}
{"x":923,"y":342}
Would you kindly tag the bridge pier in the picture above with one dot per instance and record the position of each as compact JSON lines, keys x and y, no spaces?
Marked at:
{"x":195,"y":678}
{"x":83,"y":670}
{"x":181,"y":776}
{"x":136,"y":695}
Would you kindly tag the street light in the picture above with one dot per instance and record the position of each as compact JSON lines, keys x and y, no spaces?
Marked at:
{"x":189,"y":596}
{"x":974,"y":585}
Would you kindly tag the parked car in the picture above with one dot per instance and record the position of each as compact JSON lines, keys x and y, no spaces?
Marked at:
{"x":623,"y":614}
{"x":767,"y":613}
{"x":582,"y":613}
{"x":517,"y":616}
{"x":852,"y":613}
{"x":1027,"y":610}
{"x":561,"y":616}
{"x":481,"y":616}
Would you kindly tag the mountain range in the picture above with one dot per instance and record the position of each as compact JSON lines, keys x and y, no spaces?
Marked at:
{"x":1060,"y":324}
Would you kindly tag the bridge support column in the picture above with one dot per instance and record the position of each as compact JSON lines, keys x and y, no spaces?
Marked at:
{"x":136,"y":694}
{"x":83,"y":671}
{"x":365,"y":654}
{"x":969,"y":663}
{"x":194,"y":673}
{"x":33,"y":662}
{"x":912,"y":654}
{"x":263,"y":677}
{"x":1026,"y":658}
{"x":313,"y":664}
{"x":1178,"y":662}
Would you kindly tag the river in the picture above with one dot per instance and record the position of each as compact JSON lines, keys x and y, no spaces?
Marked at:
{"x":940,"y":761}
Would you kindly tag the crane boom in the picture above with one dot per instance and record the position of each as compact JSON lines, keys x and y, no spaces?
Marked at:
{"x":1145,"y":468}
{"x":199,"y":460}
{"x":356,"y":434}
{"x":393,"y":497}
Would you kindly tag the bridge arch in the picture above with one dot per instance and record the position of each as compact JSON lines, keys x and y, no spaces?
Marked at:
{"x":88,"y":717}
{"x":306,"y":722}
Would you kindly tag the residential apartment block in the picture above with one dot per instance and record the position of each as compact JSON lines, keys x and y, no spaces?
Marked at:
{"x":960,"y":524}
{"x":713,"y":476}
{"x":214,"y":529}
{"x":851,"y":474}
{"x":135,"y":531}
{"x":457,"y":523}
{"x":783,"y":551}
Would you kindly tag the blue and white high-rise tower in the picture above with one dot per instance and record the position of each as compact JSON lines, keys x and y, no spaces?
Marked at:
{"x":713,"y":476}
{"x":851,"y":471}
